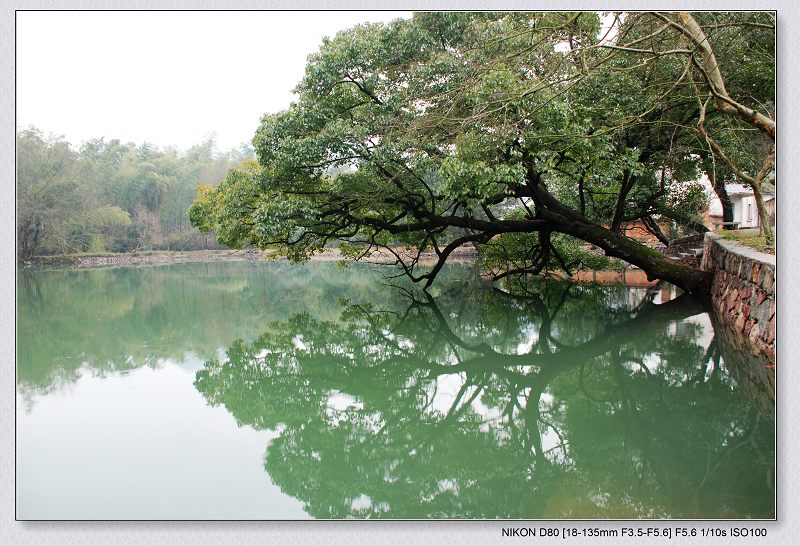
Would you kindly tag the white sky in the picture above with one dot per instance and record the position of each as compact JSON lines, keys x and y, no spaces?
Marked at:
{"x":168,"y":78}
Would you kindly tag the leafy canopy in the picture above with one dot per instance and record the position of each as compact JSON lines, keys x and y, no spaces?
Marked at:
{"x":456,"y":128}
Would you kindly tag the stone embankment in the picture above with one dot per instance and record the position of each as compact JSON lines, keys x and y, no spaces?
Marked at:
{"x":743,"y":292}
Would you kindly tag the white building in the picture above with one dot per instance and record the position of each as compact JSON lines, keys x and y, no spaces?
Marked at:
{"x":745,"y":211}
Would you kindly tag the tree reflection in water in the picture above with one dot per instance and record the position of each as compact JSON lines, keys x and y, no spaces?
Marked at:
{"x":569,"y":402}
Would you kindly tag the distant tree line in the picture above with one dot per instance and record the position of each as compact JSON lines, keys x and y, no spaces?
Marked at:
{"x":109,"y":196}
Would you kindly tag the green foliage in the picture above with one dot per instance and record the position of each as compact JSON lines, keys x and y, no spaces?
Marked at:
{"x":456,"y":128}
{"x":108,"y":195}
{"x":109,"y":216}
{"x":573,"y":251}
{"x":48,"y":200}
{"x":519,"y":252}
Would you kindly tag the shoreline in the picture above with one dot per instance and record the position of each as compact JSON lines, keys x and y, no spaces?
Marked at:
{"x":85,"y":261}
{"x":632,"y":277}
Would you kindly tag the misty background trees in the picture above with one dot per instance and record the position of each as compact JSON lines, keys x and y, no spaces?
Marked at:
{"x":110,"y":196}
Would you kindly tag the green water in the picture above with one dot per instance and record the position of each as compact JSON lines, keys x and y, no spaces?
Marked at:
{"x":263,"y":391}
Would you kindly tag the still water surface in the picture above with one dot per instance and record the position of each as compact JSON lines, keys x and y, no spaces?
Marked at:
{"x":269,"y":391}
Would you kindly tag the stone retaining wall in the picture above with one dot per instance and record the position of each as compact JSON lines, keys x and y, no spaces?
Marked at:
{"x":743,"y":291}
{"x":753,"y":373}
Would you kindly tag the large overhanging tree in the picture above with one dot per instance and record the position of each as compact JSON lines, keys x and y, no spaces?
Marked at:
{"x":513,"y":132}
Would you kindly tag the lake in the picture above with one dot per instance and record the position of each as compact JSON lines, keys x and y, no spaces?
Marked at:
{"x":270,"y":391}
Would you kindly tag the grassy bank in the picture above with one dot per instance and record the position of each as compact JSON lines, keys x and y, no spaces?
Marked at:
{"x":752,"y":239}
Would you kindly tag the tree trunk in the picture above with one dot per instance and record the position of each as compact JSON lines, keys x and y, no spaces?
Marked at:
{"x":725,"y":200}
{"x":727,"y":207}
{"x":628,"y":181}
{"x":653,"y":227}
{"x":763,"y":217}
{"x":652,"y":262}
{"x":29,"y":238}
{"x":713,"y":76}
{"x":718,"y":184}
